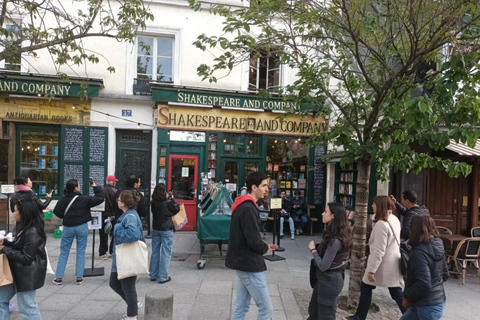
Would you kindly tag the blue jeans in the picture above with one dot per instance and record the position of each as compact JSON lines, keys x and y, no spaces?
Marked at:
{"x":252,"y":285}
{"x":290,"y":222}
{"x":162,"y":243}
{"x":301,"y":220}
{"x":81,"y":232}
{"x":434,"y":312}
{"x":27,"y":306}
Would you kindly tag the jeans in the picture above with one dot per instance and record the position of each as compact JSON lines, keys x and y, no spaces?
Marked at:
{"x":434,"y":312}
{"x":27,"y":306}
{"x":162,"y":243}
{"x":125,"y":288}
{"x":103,"y":249}
{"x":252,"y":285}
{"x":81,"y":232}
{"x":366,"y":298}
{"x":290,"y":222}
{"x":301,"y":220}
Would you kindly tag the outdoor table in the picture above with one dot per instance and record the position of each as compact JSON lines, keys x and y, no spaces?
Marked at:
{"x":453,"y":241}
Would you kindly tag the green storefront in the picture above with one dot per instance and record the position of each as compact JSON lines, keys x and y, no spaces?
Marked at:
{"x":212,"y":136}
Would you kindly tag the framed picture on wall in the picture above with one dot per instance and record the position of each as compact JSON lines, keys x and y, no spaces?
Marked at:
{"x":288,"y":184}
{"x":282,"y":184}
{"x":289,"y":175}
{"x":294,"y":184}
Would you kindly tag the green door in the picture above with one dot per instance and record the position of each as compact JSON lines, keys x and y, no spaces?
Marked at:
{"x":236,"y":170}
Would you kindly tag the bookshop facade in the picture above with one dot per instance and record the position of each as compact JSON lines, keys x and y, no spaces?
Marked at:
{"x":212,"y":136}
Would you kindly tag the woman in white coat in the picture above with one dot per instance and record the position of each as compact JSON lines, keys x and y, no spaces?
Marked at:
{"x":383,"y":265}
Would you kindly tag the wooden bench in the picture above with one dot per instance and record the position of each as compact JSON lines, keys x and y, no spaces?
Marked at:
{"x":311,"y":219}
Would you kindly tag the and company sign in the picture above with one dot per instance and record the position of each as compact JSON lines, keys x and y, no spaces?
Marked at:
{"x":42,"y":88}
{"x":207,"y":119}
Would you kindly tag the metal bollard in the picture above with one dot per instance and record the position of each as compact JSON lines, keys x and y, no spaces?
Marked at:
{"x":159,"y":305}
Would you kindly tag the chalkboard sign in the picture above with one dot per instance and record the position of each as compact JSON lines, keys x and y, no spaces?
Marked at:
{"x":97,"y":172}
{"x":73,"y":145}
{"x":97,"y":145}
{"x":73,"y":171}
{"x":319,"y":175}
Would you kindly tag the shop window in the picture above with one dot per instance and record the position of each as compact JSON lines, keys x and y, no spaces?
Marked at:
{"x":39,"y":159}
{"x":14,"y":61}
{"x":253,"y":142}
{"x":234,"y":144}
{"x":187,"y":136}
{"x":264,"y":72}
{"x":287,"y":164}
{"x":155,"y":58}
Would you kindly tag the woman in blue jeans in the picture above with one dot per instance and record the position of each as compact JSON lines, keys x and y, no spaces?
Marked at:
{"x":74,"y":209}
{"x":162,"y":235}
{"x":28,"y":261}
{"x":426,"y":272}
{"x":127,"y":229}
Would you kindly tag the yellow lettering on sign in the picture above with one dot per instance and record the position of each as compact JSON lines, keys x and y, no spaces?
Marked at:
{"x":188,"y":162}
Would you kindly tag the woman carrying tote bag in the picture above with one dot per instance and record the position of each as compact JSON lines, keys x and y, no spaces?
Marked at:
{"x":128,"y":229}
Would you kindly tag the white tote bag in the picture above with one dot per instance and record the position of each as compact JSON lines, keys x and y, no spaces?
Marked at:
{"x":132,"y":259}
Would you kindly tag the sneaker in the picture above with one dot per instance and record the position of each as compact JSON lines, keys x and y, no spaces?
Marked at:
{"x":79,"y":281}
{"x":292,"y":237}
{"x":281,"y":236}
{"x":125,"y":317}
{"x":103,"y":257}
{"x":352,"y":317}
{"x":139,"y":304}
{"x":165,"y":281}
{"x":57,"y":281}
{"x":297,"y":231}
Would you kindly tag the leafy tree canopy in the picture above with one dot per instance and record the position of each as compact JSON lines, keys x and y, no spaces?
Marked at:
{"x":27,"y":26}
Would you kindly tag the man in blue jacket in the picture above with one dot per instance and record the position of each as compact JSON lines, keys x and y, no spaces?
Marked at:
{"x":246,"y":249}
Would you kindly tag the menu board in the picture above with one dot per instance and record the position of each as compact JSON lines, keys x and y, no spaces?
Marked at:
{"x":97,"y":145}
{"x":319,"y":177}
{"x":97,"y":172}
{"x":73,"y":145}
{"x":73,"y":171}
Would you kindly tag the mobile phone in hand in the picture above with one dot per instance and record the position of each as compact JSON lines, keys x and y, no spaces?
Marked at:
{"x":51,"y":191}
{"x":91,"y":181}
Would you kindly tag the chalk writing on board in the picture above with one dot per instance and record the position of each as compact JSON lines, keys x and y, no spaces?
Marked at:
{"x":319,"y":182}
{"x":73,"y":171}
{"x":97,"y":172}
{"x":97,"y":145}
{"x":73,"y":148}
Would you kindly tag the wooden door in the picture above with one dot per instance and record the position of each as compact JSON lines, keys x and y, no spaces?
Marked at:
{"x":182,"y":180}
{"x":448,"y":200}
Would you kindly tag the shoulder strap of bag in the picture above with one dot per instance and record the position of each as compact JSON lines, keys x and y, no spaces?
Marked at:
{"x":69,"y":205}
{"x":394,"y":234}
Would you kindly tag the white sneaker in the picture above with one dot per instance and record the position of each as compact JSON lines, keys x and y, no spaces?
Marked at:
{"x":292,"y":237}
{"x":125,"y":317}
{"x":139,"y":304}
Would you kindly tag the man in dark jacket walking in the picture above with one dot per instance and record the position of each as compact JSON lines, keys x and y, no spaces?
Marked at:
{"x":408,"y":209}
{"x":246,"y":249}
{"x":109,"y":213}
{"x":133,"y":182}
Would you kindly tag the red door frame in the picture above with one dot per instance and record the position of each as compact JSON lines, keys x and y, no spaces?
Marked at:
{"x":190,"y":205}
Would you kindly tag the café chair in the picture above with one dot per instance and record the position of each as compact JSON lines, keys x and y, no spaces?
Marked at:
{"x":475,"y":232}
{"x":468,"y":250}
{"x":444,"y":230}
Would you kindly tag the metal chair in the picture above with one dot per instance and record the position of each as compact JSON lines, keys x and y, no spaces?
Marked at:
{"x":444,"y":230}
{"x":475,"y":232}
{"x":468,"y":250}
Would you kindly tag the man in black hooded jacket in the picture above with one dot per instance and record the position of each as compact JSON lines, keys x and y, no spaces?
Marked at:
{"x":408,"y":209}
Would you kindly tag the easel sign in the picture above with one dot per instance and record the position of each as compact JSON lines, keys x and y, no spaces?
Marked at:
{"x":96,"y":222}
{"x":276,"y":203}
{"x":7,"y":188}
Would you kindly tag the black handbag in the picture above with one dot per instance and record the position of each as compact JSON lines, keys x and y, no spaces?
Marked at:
{"x":313,"y":273}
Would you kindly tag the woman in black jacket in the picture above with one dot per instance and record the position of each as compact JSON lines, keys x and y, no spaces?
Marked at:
{"x":23,"y":191}
{"x":162,"y":234}
{"x":74,"y":209}
{"x":426,"y":272}
{"x":28,"y":261}
{"x":331,"y":257}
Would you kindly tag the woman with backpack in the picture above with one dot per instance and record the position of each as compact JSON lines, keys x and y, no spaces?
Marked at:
{"x":28,"y":261}
{"x":330,"y":258}
{"x":74,"y":209}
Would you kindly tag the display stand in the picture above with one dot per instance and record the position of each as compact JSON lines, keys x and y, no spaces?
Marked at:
{"x":96,"y":223}
{"x":273,"y":257}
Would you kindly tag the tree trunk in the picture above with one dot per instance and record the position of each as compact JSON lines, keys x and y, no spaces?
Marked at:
{"x":357,"y":260}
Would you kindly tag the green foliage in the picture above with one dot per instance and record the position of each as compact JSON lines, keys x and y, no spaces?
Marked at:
{"x":380,"y":67}
{"x":59,"y":29}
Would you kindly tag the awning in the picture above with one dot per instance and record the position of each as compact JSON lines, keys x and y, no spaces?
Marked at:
{"x":464,"y":150}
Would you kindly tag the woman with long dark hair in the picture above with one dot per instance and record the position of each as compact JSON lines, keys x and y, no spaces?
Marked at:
{"x":28,"y":261}
{"x":23,"y":191}
{"x":426,"y":272}
{"x":127,"y":229}
{"x":162,"y":234}
{"x":383,"y":266}
{"x":74,"y":209}
{"x":331,"y":257}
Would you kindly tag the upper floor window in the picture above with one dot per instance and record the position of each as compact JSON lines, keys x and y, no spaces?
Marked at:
{"x":155,"y":58}
{"x":14,"y":61}
{"x":264,"y":72}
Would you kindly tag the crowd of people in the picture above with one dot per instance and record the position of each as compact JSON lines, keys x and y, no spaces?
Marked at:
{"x":422,"y":296}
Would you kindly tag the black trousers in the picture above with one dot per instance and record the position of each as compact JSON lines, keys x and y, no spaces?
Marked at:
{"x":104,"y":240}
{"x":323,"y":304}
{"x":125,"y":288}
{"x":366,"y":298}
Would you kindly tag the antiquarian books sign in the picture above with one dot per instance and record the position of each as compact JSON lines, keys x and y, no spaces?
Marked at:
{"x":206,"y":119}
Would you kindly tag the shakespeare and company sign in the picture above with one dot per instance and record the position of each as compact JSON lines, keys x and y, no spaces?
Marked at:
{"x":42,"y":88}
{"x":208,"y":119}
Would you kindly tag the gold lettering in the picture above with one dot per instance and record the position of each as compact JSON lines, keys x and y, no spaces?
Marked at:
{"x":180,"y":97}
{"x":67,"y":88}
